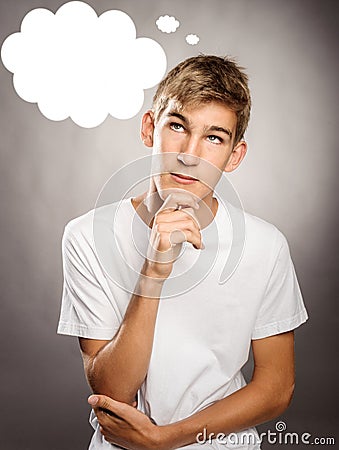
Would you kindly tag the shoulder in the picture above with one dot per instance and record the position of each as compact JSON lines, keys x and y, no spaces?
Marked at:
{"x":257,"y":230}
{"x":262,"y":231}
{"x":82,"y":228}
{"x":79,"y":225}
{"x":265,"y":241}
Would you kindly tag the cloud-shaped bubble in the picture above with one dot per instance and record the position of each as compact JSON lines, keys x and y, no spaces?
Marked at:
{"x":76,"y":64}
{"x":192,"y":39}
{"x":167,"y":24}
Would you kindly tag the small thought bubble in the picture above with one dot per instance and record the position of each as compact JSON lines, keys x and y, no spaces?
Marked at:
{"x":167,"y":24}
{"x":192,"y":39}
{"x":76,"y":64}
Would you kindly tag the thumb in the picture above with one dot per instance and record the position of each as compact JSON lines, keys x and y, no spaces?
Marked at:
{"x":101,"y":401}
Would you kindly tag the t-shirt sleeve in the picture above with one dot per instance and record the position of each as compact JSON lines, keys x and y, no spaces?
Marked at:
{"x":87,"y":306}
{"x":282,"y":308}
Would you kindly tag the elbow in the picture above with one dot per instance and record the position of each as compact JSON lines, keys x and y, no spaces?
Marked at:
{"x":91,"y":375}
{"x":102,"y":383}
{"x":97,"y":378}
{"x":284,"y":399}
{"x":289,"y":395}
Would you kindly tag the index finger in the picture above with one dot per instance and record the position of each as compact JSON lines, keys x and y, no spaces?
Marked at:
{"x":179,"y":200}
{"x":190,"y":212}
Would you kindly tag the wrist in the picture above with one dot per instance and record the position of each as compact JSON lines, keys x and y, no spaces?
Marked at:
{"x":151,"y":273}
{"x":149,"y":285}
{"x":165,"y":437}
{"x":177,"y":434}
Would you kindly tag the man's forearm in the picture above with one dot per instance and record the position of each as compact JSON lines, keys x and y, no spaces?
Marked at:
{"x":120,"y":367}
{"x":256,"y":403}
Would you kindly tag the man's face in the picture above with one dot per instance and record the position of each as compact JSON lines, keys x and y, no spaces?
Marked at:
{"x":195,"y":145}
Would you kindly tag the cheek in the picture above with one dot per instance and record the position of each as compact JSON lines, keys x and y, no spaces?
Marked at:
{"x":218,"y":159}
{"x":211,"y":169}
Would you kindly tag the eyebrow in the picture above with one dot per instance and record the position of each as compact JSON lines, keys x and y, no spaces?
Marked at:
{"x":178,"y":115}
{"x":211,"y":128}
{"x":222,"y":129}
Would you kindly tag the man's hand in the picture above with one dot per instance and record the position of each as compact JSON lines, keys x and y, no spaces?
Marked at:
{"x":124,"y":425}
{"x":174,"y":223}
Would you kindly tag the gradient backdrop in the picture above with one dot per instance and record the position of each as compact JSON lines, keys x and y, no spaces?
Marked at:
{"x":53,"y":171}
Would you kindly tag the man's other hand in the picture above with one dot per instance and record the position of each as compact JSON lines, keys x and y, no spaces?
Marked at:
{"x":124,"y":425}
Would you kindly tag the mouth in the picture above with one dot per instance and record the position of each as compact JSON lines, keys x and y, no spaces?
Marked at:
{"x":183,"y":179}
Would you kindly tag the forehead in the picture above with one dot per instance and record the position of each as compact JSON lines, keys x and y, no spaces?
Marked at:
{"x":207,"y":114}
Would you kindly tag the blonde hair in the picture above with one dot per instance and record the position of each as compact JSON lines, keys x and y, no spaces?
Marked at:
{"x":203,"y":79}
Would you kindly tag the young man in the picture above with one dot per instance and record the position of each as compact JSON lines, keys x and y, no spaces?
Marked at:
{"x":166,"y":371}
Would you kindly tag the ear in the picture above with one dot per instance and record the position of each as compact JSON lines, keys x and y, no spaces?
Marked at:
{"x":147,"y":128}
{"x":237,"y":155}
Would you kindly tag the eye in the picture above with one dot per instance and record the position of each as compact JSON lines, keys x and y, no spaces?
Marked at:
{"x":215,"y":139}
{"x":177,"y":127}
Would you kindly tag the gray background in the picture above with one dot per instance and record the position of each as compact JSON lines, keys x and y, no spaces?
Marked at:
{"x":53,"y":171}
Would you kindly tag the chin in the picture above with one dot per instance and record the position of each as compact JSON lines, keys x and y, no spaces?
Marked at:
{"x":165,"y":191}
{"x":165,"y":187}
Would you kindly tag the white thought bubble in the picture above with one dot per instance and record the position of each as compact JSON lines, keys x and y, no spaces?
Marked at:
{"x":192,"y":39}
{"x":76,"y":64}
{"x":167,"y":24}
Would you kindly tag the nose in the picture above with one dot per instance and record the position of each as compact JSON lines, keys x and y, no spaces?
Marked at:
{"x":189,"y":154}
{"x":187,"y":159}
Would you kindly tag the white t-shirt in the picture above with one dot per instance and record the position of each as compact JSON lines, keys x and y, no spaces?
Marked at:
{"x":202,"y":336}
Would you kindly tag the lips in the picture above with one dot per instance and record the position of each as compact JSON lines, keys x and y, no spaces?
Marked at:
{"x":182,"y":179}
